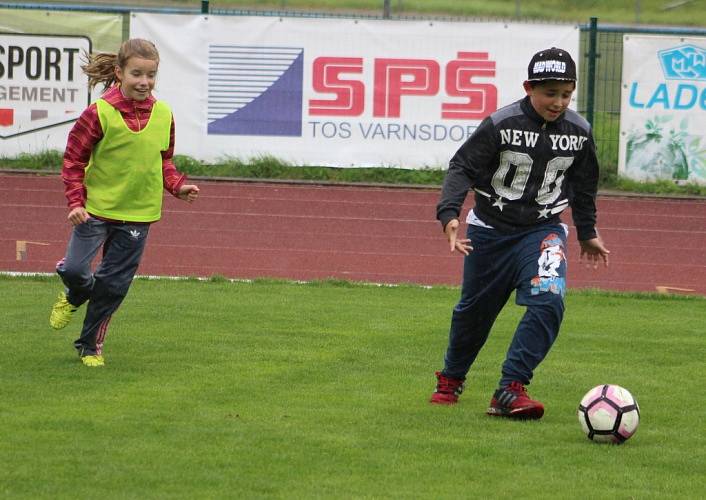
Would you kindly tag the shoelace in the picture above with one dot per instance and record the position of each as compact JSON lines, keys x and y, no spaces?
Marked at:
{"x":448,"y":385}
{"x":517,"y":388}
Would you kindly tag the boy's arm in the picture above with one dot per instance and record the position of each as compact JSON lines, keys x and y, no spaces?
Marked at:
{"x":464,"y":170}
{"x":584,"y":186}
{"x":84,"y":135}
{"x":172,"y":178}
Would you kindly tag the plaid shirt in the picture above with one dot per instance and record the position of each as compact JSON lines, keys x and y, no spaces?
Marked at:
{"x":86,"y":133}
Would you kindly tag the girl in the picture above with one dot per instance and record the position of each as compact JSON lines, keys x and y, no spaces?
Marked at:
{"x":118,"y":159}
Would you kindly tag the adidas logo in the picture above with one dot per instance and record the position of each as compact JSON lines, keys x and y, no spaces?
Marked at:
{"x":135,"y":234}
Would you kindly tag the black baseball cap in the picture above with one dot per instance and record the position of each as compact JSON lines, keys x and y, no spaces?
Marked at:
{"x":551,"y":64}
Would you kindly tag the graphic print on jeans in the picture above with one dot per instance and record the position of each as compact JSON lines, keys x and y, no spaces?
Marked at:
{"x":548,"y":279}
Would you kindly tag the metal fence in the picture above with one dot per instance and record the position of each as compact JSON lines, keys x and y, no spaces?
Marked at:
{"x":600,"y":61}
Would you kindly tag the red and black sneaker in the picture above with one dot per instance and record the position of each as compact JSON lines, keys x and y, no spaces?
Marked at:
{"x":514,"y":402}
{"x":447,"y":390}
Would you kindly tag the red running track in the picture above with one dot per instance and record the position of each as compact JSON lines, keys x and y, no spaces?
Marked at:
{"x":374,"y":234}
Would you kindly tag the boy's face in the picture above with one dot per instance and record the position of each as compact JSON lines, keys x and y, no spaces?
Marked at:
{"x":551,"y":98}
{"x":137,"y":77}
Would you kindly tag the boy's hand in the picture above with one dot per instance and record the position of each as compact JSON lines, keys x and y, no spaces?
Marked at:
{"x":594,"y":250}
{"x":463,"y":245}
{"x":77,"y":215}
{"x":188,"y":192}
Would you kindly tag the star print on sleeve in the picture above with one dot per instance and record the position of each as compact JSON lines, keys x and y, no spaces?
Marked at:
{"x":499,"y":203}
{"x":543,"y":213}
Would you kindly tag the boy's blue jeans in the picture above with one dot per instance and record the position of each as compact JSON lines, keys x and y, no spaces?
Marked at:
{"x":532,"y":263}
{"x":104,"y":289}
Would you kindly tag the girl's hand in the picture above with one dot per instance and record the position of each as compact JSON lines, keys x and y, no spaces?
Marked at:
{"x":77,"y":215}
{"x":188,"y":192}
{"x":463,"y":245}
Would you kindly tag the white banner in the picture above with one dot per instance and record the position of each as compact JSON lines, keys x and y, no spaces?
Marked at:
{"x":41,"y":83}
{"x":42,"y":88}
{"x":338,"y":92}
{"x":662,"y":118}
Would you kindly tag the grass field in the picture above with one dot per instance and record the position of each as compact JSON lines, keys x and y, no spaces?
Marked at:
{"x":281,"y":390}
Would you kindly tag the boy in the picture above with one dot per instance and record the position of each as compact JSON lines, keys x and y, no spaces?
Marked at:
{"x":526,"y":163}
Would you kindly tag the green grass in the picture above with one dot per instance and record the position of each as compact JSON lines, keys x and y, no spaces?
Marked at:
{"x":655,"y":12}
{"x":688,"y":13}
{"x":273,"y":389}
{"x":268,"y":167}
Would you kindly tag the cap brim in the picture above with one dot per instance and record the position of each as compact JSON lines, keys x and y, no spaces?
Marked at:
{"x":551,"y":78}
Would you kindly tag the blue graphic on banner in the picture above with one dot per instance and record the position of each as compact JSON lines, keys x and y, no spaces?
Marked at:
{"x":687,"y":62}
{"x":255,"y":90}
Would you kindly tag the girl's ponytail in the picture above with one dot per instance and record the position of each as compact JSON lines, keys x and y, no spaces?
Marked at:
{"x":100,"y":68}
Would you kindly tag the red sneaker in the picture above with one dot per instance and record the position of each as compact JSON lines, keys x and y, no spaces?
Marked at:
{"x":447,"y":390}
{"x":514,"y":402}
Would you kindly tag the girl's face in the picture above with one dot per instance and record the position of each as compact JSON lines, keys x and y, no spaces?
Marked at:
{"x":137,"y":77}
{"x":550,"y":99}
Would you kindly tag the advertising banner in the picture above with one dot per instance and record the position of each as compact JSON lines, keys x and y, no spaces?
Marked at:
{"x":41,"y":83}
{"x":42,"y":88}
{"x":338,"y":92}
{"x":663,"y":109}
{"x":104,"y":30}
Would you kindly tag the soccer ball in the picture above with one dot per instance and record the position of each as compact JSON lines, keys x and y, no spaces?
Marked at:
{"x":609,"y":414}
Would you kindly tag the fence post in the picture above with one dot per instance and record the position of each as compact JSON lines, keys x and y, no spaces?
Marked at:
{"x":386,"y":9}
{"x":591,"y":77}
{"x":204,"y":6}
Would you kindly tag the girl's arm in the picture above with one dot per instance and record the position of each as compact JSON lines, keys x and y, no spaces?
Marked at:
{"x":84,"y":135}
{"x":172,"y":178}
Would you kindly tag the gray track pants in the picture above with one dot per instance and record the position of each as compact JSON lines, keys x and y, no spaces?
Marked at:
{"x":104,"y":289}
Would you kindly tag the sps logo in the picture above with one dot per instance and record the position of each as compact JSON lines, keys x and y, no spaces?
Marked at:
{"x":395,"y":78}
{"x":258,"y":90}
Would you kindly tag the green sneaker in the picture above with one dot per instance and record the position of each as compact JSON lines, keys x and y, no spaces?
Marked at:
{"x":61,"y":312}
{"x":93,"y":360}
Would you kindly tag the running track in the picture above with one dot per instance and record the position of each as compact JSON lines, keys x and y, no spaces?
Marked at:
{"x":373,"y":234}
